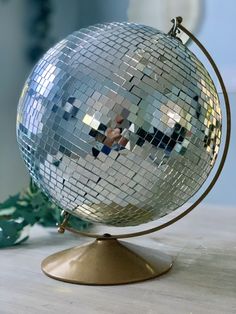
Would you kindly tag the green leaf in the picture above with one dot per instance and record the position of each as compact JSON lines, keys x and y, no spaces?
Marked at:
{"x":10,"y":202}
{"x":11,"y":231}
{"x":27,"y":208}
{"x":7,"y":212}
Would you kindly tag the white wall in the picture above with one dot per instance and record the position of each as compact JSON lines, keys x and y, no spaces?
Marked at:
{"x":13,"y":71}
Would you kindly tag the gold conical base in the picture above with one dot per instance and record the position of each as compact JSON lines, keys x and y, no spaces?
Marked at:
{"x":106,"y":262}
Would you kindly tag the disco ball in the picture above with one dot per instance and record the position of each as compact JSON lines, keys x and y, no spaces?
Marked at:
{"x":119,"y":124}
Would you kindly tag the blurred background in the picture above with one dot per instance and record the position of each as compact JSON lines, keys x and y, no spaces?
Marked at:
{"x":29,"y":27}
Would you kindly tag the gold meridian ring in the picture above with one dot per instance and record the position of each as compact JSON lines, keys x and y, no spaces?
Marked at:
{"x":177,"y":25}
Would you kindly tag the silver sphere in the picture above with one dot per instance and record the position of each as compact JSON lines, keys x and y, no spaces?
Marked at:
{"x":119,"y":124}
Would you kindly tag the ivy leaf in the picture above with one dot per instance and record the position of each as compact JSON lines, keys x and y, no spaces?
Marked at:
{"x":6,"y":212}
{"x":10,"y":202}
{"x":27,"y":213}
{"x":11,"y":231}
{"x":27,"y":208}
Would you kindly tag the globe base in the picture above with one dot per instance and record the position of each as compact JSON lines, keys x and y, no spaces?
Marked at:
{"x":106,"y":262}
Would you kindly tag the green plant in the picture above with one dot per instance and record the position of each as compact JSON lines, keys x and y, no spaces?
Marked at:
{"x":23,"y":210}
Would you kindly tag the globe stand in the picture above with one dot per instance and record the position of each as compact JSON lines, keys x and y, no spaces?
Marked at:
{"x":106,"y":261}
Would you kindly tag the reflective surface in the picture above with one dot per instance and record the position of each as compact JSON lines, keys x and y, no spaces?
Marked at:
{"x":119,"y":124}
{"x":106,"y":262}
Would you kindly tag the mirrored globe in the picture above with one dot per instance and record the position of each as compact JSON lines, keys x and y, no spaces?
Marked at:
{"x":119,"y":124}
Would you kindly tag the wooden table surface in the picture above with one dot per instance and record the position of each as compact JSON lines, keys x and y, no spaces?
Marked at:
{"x":202,"y":280}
